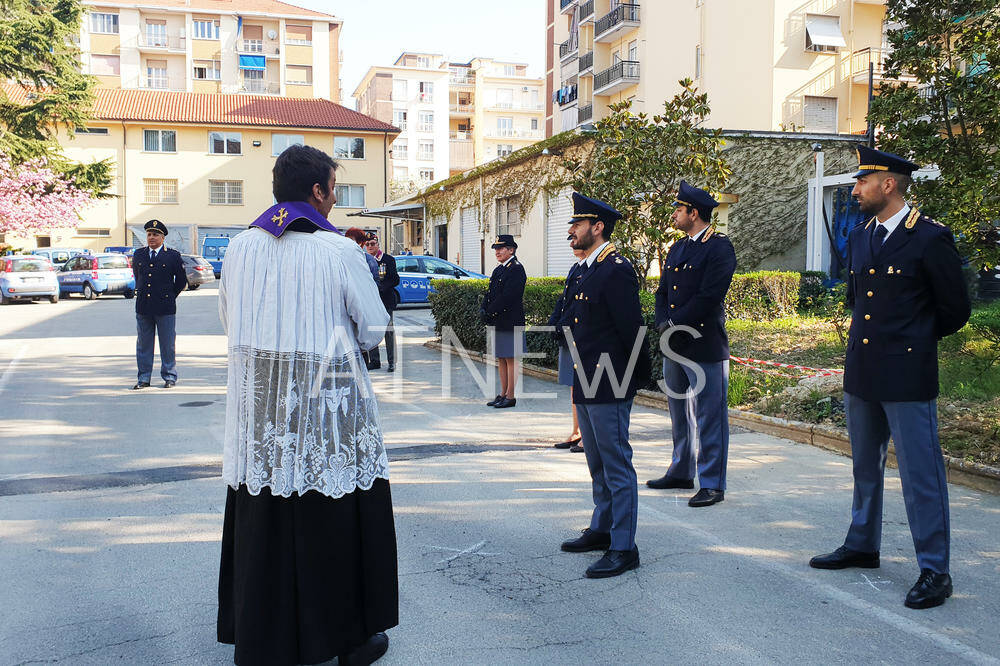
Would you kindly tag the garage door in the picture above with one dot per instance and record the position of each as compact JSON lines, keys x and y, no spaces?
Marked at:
{"x":558,"y":255}
{"x":820,"y":114}
{"x":472,"y":240}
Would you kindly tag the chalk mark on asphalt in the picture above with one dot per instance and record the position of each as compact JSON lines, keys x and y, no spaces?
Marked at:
{"x":874,"y":584}
{"x":474,"y":549}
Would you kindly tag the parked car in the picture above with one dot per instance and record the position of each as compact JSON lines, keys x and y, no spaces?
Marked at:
{"x":198,"y":270}
{"x":416,"y":273}
{"x":59,"y":255}
{"x":213,"y":248}
{"x":27,"y":277}
{"x":127,"y":250}
{"x":94,"y":275}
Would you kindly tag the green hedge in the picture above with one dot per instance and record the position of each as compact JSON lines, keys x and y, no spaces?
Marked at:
{"x":763,"y":295}
{"x":812,"y":291}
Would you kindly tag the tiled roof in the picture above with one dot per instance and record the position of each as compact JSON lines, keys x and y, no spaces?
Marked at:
{"x":221,"y":109}
{"x":227,"y":7}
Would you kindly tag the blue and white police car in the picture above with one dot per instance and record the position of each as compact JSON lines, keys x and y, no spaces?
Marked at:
{"x":416,"y":273}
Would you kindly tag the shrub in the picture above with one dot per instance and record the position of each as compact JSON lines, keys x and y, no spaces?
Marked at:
{"x":812,"y":290}
{"x":763,"y":295}
{"x":985,"y":321}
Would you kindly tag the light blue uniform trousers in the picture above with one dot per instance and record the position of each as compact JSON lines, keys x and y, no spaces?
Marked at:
{"x":163,"y":327}
{"x":700,"y":423}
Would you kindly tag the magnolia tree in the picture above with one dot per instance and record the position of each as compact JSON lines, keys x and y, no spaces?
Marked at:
{"x":34,"y":197}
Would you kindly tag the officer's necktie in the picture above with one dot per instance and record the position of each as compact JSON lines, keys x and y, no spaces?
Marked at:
{"x":878,"y":238}
{"x":152,"y":255}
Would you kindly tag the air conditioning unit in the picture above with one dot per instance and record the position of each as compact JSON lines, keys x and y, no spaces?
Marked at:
{"x":524,"y":89}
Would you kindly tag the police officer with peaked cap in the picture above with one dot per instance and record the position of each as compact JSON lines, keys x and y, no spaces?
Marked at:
{"x":695,"y":277}
{"x":611,"y":360}
{"x":159,"y":278}
{"x":503,"y":310}
{"x":906,"y":291}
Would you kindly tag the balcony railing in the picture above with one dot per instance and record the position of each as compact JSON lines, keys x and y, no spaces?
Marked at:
{"x":461,"y":108}
{"x":567,"y":48}
{"x":169,"y":42}
{"x":460,"y":135}
{"x":623,"y":73}
{"x":258,"y":46}
{"x":513,"y":133}
{"x":161,"y":83}
{"x":585,"y":113}
{"x":260,"y":87}
{"x":425,"y":127}
{"x":586,"y":9}
{"x":619,"y":16}
{"x":424,"y":97}
{"x":462,"y":79}
{"x":586,"y":61}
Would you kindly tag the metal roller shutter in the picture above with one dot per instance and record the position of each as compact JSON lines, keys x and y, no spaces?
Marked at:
{"x":558,"y":255}
{"x":471,"y":240}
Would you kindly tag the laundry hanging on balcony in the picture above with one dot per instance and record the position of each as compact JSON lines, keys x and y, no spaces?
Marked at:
{"x":564,"y":95}
{"x":255,"y":62}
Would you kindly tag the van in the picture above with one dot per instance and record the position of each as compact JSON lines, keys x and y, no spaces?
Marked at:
{"x":59,"y":255}
{"x":213,"y":248}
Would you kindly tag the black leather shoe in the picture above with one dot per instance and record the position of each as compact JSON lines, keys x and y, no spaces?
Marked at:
{"x":494,"y":401}
{"x":375,"y":366}
{"x":614,"y":563}
{"x":169,"y":383}
{"x":707,"y":497}
{"x":391,"y":368}
{"x":567,"y":444}
{"x":140,"y":385}
{"x":670,"y":482}
{"x":506,"y":402}
{"x":367,"y":653}
{"x":589,"y":540}
{"x":844,"y":557}
{"x":930,"y":590}
{"x":576,"y":448}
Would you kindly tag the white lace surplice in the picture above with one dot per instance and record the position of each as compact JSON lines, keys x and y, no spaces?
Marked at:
{"x":300,"y":411}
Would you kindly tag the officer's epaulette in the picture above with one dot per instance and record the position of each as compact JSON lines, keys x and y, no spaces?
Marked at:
{"x":911,"y":219}
{"x":931,"y":220}
{"x":708,"y":234}
{"x":605,"y":252}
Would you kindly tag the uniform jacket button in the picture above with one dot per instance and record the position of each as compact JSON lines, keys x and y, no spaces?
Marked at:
{"x":867,"y":317}
{"x":672,"y":305}
{"x":675,"y":287}
{"x":865,"y":341}
{"x":909,"y":349}
{"x":871,"y":271}
{"x":870,"y":294}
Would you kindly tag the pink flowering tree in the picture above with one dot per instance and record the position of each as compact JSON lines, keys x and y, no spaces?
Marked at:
{"x":34,"y":197}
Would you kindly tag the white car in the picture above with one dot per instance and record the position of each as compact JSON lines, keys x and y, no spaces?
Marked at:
{"x":27,"y":277}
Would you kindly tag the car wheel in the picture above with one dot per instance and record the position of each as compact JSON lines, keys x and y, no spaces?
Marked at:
{"x":88,"y":292}
{"x":129,"y":293}
{"x":192,"y":287}
{"x":54,"y":298}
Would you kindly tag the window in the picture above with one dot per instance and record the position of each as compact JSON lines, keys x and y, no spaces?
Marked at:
{"x":225,"y":143}
{"x":504,"y":149}
{"x":697,"y":61}
{"x":91,"y":130}
{"x":505,"y":127}
{"x":534,"y":123}
{"x":423,"y":61}
{"x":425,"y":121}
{"x":399,"y":119}
{"x":279,"y":142}
{"x":298,"y":75}
{"x":400,"y":149}
{"x":205,"y":29}
{"x":159,"y":190}
{"x":95,"y":233}
{"x":350,"y":196}
{"x":510,"y":70}
{"x":105,"y":23}
{"x":156,"y":73}
{"x":209,"y":70}
{"x":633,"y":51}
{"x":406,"y":264}
{"x":400,"y":173}
{"x":505,"y":98}
{"x":426,"y":175}
{"x":425,"y":150}
{"x":159,"y":141}
{"x":438,"y":267}
{"x":156,"y":32}
{"x":348,"y":148}
{"x":399,"y":89}
{"x":426,"y":89}
{"x":105,"y":65}
{"x":228,"y":192}
{"x":298,"y":34}
{"x":508,"y":219}
{"x":823,"y":33}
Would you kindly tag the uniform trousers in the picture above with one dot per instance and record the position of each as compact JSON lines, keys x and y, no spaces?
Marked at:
{"x":914,"y":431}
{"x":604,"y":431}
{"x":163,"y":327}
{"x":373,"y":356}
{"x":699,"y":423}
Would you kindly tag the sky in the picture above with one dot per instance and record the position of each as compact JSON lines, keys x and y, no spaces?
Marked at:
{"x":376,"y":31}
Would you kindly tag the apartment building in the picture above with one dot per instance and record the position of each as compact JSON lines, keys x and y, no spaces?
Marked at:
{"x":202,"y":162}
{"x":259,"y":47}
{"x":453,"y":116}
{"x":773,"y":65}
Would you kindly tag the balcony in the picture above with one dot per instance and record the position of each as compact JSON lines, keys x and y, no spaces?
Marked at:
{"x":568,"y":49}
{"x":586,"y":11}
{"x":585,"y":113}
{"x":260,"y":87}
{"x":567,"y":6}
{"x":587,"y":62}
{"x":462,"y":79}
{"x":516,"y":106}
{"x":565,"y":95}
{"x":460,"y":135}
{"x":859,"y":66}
{"x":258,"y":47}
{"x":461,"y":109}
{"x":514,"y":133}
{"x":617,"y":77}
{"x":161,"y":83}
{"x":159,"y":42}
{"x":460,"y":155}
{"x":619,"y":20}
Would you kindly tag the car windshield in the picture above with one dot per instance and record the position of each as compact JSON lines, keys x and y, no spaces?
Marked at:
{"x":60,"y":257}
{"x":33,"y":265}
{"x":119,"y":261}
{"x":222,"y":251}
{"x":201,"y":261}
{"x":407,"y":264}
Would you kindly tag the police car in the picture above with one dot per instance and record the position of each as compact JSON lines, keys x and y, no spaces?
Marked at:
{"x":416,"y":273}
{"x":95,"y":274}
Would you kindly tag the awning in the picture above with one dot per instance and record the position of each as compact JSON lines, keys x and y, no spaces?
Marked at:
{"x":253,"y":62}
{"x":824,"y":30}
{"x":402,"y":212}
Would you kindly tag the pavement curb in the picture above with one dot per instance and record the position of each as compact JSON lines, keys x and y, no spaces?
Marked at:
{"x":963,"y":472}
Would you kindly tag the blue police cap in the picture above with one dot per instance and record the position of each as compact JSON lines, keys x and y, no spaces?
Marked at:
{"x":504,"y":240}
{"x":275,"y":220}
{"x":155,"y":225}
{"x":688,"y":195}
{"x":871,"y":161}
{"x":594,"y":210}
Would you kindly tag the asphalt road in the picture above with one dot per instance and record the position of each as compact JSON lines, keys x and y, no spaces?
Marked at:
{"x":111,"y":512}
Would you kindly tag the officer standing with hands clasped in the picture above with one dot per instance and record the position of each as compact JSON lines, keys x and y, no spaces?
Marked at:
{"x":610,"y":361}
{"x":159,"y":278}
{"x":696,"y":275}
{"x":906,"y":291}
{"x":503,"y":310}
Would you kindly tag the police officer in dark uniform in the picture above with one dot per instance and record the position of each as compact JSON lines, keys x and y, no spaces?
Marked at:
{"x":561,"y":319}
{"x":610,"y":361}
{"x":503,"y":309}
{"x":906,"y":291}
{"x":690,"y":309}
{"x":159,"y":278}
{"x":388,"y":280}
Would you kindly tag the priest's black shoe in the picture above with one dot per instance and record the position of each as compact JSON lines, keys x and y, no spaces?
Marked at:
{"x":506,"y":402}
{"x":614,"y":563}
{"x":140,"y":385}
{"x":707,"y":497}
{"x":844,"y":557}
{"x":670,"y":482}
{"x":930,"y":590}
{"x":576,"y":448}
{"x":589,"y":540}
{"x":169,"y":383}
{"x":494,"y":401}
{"x":367,"y":653}
{"x":567,"y":444}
